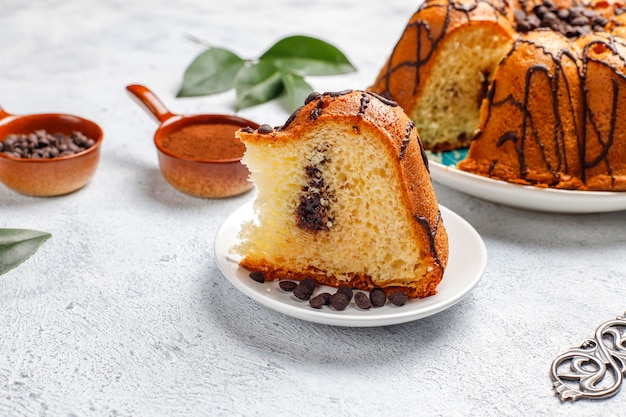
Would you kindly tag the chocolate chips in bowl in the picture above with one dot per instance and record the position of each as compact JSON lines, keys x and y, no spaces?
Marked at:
{"x":43,"y":145}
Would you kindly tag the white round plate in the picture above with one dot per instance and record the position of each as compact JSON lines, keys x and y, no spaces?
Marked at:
{"x":466,"y":265}
{"x":443,"y":171}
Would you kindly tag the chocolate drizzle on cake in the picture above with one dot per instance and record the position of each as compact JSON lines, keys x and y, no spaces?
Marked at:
{"x":317,"y":110}
{"x":423,"y":152}
{"x":431,"y":231}
{"x":313,"y":212}
{"x":365,"y":99}
{"x":594,"y":138}
{"x":311,"y":97}
{"x":334,"y":94}
{"x":291,"y":118}
{"x":385,"y":100}
{"x":406,"y":139}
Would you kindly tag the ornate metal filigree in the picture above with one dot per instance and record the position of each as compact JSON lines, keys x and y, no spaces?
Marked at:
{"x":596,"y":368}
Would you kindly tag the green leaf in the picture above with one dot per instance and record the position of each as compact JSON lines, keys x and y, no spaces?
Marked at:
{"x":211,"y":72}
{"x":308,"y":56}
{"x":16,"y":245}
{"x":296,"y":88}
{"x":256,"y":84}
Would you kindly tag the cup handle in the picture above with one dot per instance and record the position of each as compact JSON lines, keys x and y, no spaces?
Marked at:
{"x":150,"y":102}
{"x":4,"y":114}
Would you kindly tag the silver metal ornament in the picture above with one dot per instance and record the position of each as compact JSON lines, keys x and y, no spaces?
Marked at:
{"x":595,"y":369}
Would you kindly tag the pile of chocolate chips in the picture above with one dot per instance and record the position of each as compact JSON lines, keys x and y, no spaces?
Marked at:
{"x":43,"y":145}
{"x":303,"y":290}
{"x":571,"y":22}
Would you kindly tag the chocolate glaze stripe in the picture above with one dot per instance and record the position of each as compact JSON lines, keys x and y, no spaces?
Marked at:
{"x":317,"y":110}
{"x":423,"y":152}
{"x":334,"y":94}
{"x":431,"y":231}
{"x":291,"y":118}
{"x":311,"y":97}
{"x":618,"y":77}
{"x":541,"y":71}
{"x":365,"y":99}
{"x":406,"y":139}
{"x":382,"y":99}
{"x":606,"y":146}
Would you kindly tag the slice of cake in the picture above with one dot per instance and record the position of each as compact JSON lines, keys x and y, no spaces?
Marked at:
{"x":344,"y":196}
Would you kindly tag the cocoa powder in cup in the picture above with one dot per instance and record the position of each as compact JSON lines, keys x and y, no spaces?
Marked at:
{"x":206,"y":142}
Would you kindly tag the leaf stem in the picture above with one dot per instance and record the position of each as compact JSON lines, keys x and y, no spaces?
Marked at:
{"x":197,"y":40}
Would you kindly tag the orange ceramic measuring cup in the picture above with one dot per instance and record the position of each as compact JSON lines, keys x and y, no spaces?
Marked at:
{"x":198,"y":175}
{"x":49,"y":176}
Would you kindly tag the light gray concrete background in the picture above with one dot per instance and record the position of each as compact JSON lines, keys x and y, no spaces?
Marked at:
{"x":123,"y":312}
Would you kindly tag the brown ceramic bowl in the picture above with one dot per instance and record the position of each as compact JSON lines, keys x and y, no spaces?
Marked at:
{"x":52,"y":176}
{"x":196,"y":175}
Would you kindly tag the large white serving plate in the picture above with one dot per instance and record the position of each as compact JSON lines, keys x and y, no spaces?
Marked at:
{"x":466,"y":265}
{"x":443,"y":171}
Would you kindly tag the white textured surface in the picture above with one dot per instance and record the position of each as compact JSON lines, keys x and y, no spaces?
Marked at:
{"x":124,"y":313}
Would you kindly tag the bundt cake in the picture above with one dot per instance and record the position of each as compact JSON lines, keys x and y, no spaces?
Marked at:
{"x":551,"y":109}
{"x":344,"y":196}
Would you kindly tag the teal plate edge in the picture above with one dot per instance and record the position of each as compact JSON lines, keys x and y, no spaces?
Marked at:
{"x":448,"y":158}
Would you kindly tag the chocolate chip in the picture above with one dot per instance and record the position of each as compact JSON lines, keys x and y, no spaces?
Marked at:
{"x":346,"y":290}
{"x":519,"y":15}
{"x":320,"y":300}
{"x":287,"y":285}
{"x":563,"y":14}
{"x":378,"y":297}
{"x":549,"y":4}
{"x":600,"y":21}
{"x":265,"y":128}
{"x":247,"y":129}
{"x":339,"y":301}
{"x":580,"y":21}
{"x":362,"y":300}
{"x":311,"y":97}
{"x":309,"y":283}
{"x":257,"y":276}
{"x":540,"y":10}
{"x":303,"y":290}
{"x":548,"y":19}
{"x":589,"y":13}
{"x":398,"y":298}
{"x":534,"y":21}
